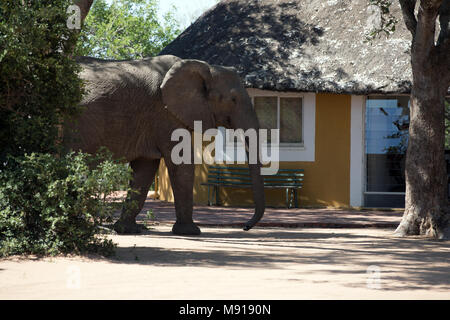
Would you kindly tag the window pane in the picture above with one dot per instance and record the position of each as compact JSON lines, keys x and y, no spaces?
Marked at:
{"x":291,"y":120}
{"x":387,"y":122}
{"x":266,"y":110}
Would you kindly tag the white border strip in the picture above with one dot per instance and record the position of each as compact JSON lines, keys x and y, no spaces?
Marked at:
{"x":357,"y":151}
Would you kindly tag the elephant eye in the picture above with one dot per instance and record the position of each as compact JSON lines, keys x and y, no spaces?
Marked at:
{"x":215,"y":95}
{"x":233,"y":95}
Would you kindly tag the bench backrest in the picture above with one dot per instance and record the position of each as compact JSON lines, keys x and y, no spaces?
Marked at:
{"x":240,"y":176}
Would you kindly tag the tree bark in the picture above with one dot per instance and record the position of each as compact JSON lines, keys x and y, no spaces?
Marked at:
{"x":426,"y":210}
{"x":426,"y":206}
{"x":85,"y":6}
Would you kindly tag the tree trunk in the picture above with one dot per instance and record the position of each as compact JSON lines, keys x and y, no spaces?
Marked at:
{"x":85,"y":6}
{"x":426,"y":174}
{"x":426,"y":205}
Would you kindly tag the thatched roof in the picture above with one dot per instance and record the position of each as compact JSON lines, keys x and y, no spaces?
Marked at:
{"x":302,"y":45}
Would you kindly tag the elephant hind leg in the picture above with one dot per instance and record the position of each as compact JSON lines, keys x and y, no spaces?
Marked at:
{"x":144,"y":171}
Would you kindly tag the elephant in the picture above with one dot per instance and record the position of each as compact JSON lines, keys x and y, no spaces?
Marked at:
{"x":131,"y":107}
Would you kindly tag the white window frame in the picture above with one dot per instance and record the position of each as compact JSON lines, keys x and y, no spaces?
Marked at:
{"x":289,"y":152}
{"x":286,"y":145}
{"x":300,"y":152}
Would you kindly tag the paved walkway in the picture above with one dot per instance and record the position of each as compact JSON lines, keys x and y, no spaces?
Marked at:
{"x":214,"y":216}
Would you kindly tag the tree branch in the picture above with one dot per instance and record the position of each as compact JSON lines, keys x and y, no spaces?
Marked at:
{"x":444,"y":18}
{"x":444,"y":49}
{"x":409,"y":17}
{"x":423,"y":42}
{"x":85,"y":6}
{"x":443,"y":43}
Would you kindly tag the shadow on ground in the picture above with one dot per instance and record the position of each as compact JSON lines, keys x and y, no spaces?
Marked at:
{"x":412,"y":263}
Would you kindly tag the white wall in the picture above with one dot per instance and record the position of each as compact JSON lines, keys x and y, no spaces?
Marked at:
{"x":357,"y":151}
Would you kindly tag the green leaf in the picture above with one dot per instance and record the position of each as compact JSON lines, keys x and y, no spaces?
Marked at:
{"x":126,"y":29}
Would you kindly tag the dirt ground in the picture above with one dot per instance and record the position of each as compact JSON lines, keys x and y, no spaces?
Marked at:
{"x":228,"y":263}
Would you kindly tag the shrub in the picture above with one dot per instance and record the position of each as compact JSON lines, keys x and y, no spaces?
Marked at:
{"x":51,"y":205}
{"x":48,"y":204}
{"x":39,"y":83}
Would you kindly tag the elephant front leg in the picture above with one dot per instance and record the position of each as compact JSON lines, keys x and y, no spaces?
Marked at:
{"x":143,"y":174}
{"x":182,"y":181}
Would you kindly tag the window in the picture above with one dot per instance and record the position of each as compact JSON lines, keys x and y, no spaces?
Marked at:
{"x":386,"y":132}
{"x":291,"y":120}
{"x":293,"y":113}
{"x":284,"y":113}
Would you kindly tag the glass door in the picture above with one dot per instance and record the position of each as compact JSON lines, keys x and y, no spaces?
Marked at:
{"x":386,"y":140}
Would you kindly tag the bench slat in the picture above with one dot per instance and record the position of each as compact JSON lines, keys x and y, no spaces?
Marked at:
{"x":249,"y":185}
{"x":242,"y":168}
{"x":250,"y":179}
{"x":223,"y":182}
{"x":248,"y":174}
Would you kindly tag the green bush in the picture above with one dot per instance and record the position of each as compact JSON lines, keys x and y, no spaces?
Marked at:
{"x":39,"y":83}
{"x":48,"y":204}
{"x":51,"y":205}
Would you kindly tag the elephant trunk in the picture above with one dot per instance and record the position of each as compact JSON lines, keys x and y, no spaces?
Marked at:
{"x":245,"y":122}
{"x":258,"y":195}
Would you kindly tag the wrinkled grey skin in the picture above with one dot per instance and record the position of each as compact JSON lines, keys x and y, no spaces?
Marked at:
{"x":132,"y":108}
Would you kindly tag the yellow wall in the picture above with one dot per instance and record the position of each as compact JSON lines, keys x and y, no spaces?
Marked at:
{"x":327,"y":179}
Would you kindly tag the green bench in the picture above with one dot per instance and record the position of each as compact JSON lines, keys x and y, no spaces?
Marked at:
{"x":239,"y":177}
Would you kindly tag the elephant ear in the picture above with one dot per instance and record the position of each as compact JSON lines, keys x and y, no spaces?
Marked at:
{"x":185,"y":91}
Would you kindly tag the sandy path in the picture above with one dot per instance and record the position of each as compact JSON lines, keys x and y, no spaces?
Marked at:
{"x":233,"y":264}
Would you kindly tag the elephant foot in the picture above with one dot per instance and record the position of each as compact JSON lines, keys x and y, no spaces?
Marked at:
{"x":186,"y":229}
{"x":128,"y":227}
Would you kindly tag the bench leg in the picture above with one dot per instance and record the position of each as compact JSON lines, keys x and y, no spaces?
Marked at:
{"x":217,"y":196}
{"x":209,"y":198}
{"x":295,"y":198}
{"x":287,"y":198}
